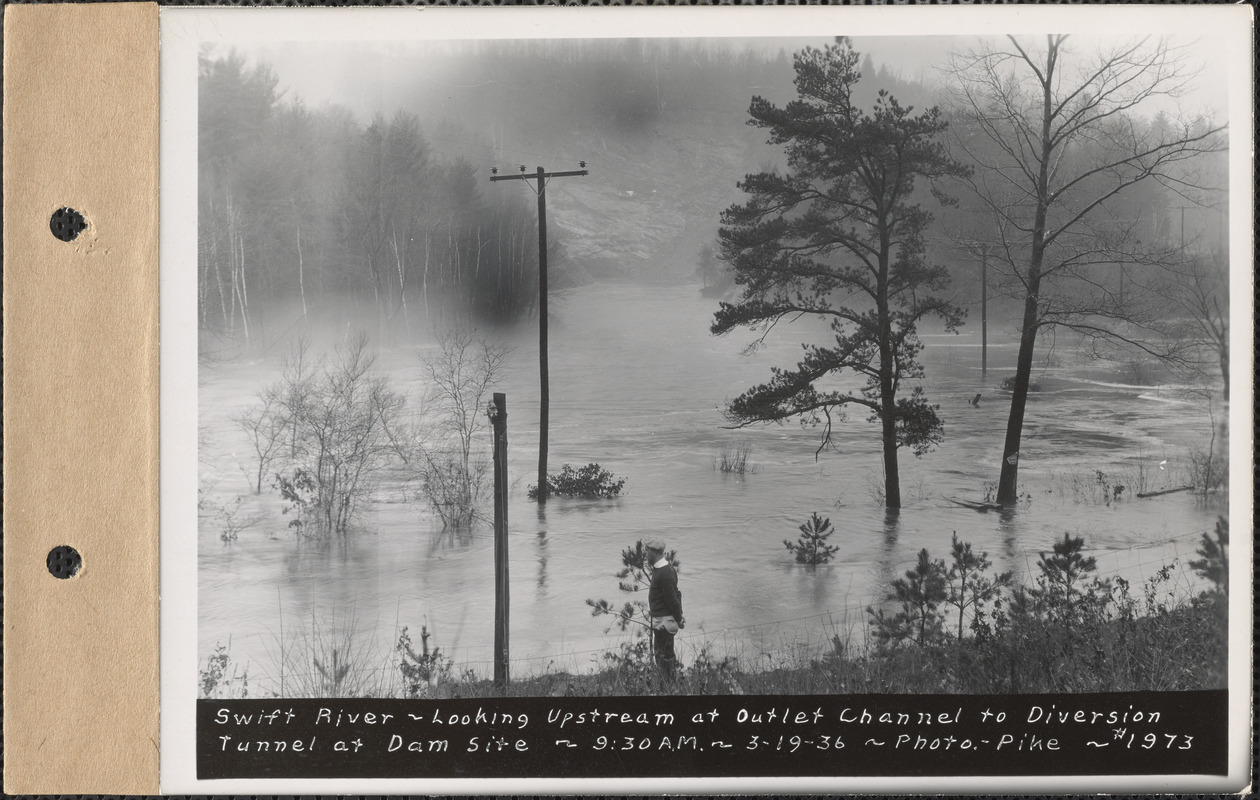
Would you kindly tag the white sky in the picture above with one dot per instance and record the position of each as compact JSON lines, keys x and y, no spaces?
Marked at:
{"x":321,"y":72}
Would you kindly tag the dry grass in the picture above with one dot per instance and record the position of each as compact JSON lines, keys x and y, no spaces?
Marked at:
{"x":329,"y":654}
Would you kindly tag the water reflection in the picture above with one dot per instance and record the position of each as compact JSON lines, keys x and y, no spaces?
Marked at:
{"x":886,"y":569}
{"x":540,"y":586}
{"x":1010,"y":532}
{"x":451,"y":538}
{"x":892,"y":519}
{"x":821,"y":583}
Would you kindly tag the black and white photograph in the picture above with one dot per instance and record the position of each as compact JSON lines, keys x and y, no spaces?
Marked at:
{"x":713,"y":394}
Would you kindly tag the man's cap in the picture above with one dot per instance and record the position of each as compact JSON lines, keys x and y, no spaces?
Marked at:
{"x":654,"y":544}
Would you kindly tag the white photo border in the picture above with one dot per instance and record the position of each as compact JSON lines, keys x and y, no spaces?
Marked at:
{"x":184,"y":30}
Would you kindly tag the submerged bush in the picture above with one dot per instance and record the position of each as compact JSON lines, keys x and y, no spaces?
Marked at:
{"x":229,"y":518}
{"x":1209,"y":470}
{"x":811,"y":547}
{"x":332,"y":425}
{"x":442,"y":450}
{"x":591,"y":481}
{"x":735,"y":459}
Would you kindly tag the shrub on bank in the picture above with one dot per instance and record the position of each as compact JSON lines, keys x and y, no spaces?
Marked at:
{"x":1069,"y":631}
{"x":422,"y":671}
{"x":958,"y":628}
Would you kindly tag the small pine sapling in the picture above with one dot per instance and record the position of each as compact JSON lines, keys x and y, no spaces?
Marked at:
{"x":1214,"y":565}
{"x":634,"y":575}
{"x":420,"y":670}
{"x":920,"y":594}
{"x":812,"y":547}
{"x":969,"y":584}
{"x":1064,"y":590}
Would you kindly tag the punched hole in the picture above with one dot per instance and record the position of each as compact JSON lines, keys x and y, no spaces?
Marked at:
{"x":66,"y":224}
{"x":64,"y":562}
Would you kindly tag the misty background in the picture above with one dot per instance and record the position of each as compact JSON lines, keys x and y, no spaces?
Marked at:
{"x":357,"y":170}
{"x":343,"y":188}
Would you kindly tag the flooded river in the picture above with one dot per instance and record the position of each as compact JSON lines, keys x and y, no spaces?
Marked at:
{"x":637,"y":384}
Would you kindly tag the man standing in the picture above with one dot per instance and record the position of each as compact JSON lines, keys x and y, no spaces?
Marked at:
{"x":665,"y":606}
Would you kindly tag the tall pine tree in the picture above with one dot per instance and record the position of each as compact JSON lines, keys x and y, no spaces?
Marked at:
{"x":839,"y":235}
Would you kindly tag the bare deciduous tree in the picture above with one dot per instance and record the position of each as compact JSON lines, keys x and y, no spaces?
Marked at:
{"x":342,"y":433}
{"x":1059,"y":144}
{"x":266,"y":426}
{"x":441,"y":448}
{"x":1204,"y":297}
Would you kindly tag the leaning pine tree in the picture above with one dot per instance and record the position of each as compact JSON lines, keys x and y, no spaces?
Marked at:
{"x":839,"y":235}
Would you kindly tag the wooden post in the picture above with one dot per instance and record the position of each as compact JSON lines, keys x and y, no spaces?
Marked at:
{"x":498,"y":416}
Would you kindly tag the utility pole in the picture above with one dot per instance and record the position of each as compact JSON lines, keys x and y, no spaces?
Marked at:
{"x":984,"y":311}
{"x":544,"y":396}
{"x":497,"y":411}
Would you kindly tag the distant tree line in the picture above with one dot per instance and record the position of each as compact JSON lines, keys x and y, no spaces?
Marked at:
{"x":299,"y":208}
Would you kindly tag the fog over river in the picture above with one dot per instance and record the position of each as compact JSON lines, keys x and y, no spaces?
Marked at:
{"x":637,"y":385}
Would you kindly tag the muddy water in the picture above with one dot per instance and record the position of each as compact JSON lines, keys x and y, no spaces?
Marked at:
{"x":637,"y":384}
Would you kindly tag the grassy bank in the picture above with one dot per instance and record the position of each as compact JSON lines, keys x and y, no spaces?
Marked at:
{"x":949,"y":625}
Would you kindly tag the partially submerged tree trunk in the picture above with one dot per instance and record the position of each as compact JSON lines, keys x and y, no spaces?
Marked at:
{"x":1008,"y":482}
{"x":888,"y":396}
